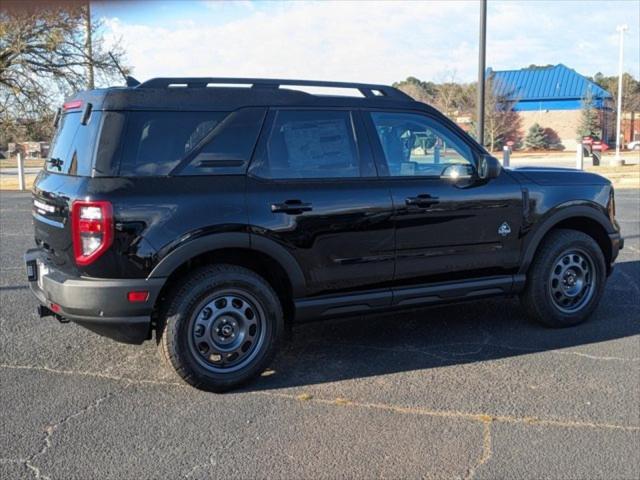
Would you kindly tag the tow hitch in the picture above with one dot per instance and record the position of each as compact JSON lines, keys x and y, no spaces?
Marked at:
{"x":47,"y":312}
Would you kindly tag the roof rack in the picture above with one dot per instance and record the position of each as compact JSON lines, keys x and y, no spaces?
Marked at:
{"x":367,"y":90}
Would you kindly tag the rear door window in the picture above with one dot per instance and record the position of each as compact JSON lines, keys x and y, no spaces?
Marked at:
{"x":74,"y":145}
{"x":155,"y":142}
{"x":309,"y":144}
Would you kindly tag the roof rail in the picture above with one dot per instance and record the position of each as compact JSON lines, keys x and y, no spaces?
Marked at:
{"x":367,"y":90}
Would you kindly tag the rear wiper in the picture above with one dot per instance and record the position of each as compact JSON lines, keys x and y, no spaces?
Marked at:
{"x":56,"y":162}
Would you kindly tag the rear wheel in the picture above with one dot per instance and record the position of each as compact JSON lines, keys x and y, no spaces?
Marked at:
{"x":566,"y":279}
{"x":221,"y":327}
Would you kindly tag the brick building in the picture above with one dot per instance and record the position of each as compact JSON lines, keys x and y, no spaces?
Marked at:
{"x":29,"y":149}
{"x":552,"y":97}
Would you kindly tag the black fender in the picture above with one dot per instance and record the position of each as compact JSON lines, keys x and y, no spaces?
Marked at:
{"x":219,"y":241}
{"x":558,"y":214}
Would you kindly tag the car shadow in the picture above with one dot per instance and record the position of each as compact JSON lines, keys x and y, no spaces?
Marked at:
{"x":374,"y":345}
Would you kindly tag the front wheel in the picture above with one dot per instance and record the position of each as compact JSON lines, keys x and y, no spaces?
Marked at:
{"x":566,"y":279}
{"x":221,"y":327}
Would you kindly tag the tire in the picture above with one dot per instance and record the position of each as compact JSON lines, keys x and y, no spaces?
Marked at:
{"x":221,"y":327}
{"x":565,"y":281}
{"x":636,"y":147}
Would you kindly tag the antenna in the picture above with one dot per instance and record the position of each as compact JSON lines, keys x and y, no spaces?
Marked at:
{"x":129,"y":80}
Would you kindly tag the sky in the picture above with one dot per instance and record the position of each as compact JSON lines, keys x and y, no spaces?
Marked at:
{"x":367,"y":41}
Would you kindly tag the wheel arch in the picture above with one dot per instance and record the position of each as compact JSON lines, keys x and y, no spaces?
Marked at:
{"x":258,"y":254}
{"x":586,"y":219}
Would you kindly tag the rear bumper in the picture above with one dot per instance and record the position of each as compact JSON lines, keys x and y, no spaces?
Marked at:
{"x":100,"y":305}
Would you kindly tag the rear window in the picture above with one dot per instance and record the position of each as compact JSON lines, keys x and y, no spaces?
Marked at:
{"x":73,"y":145}
{"x":155,"y":142}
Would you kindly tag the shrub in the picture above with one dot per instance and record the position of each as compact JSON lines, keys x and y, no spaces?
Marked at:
{"x":536,"y":139}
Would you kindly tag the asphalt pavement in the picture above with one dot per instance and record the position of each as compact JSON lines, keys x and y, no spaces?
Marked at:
{"x":470,"y":390}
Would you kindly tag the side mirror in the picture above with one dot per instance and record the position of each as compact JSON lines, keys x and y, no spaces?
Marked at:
{"x":457,"y":172}
{"x":488,"y":167}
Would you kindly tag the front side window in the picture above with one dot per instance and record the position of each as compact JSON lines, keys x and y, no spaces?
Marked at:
{"x":155,"y":142}
{"x":415,"y":145}
{"x":309,"y":144}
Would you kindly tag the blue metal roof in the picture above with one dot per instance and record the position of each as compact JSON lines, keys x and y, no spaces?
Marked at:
{"x":548,"y":83}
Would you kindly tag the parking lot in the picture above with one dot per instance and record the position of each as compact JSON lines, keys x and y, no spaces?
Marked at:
{"x":462,"y":391}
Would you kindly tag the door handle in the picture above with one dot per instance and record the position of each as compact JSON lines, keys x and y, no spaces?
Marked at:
{"x":422,"y":200}
{"x":291,"y":207}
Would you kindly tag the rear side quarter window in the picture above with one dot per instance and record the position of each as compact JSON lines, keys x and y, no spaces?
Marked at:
{"x":156,"y":141}
{"x":226,"y":149}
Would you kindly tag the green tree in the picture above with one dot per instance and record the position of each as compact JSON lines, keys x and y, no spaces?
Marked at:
{"x":589,"y":125}
{"x":536,"y":138}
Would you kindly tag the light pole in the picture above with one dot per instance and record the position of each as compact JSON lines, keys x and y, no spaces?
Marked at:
{"x":481,"y":70}
{"x":620,"y":29}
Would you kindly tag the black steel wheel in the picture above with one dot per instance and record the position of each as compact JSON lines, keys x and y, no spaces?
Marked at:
{"x":227,"y":330}
{"x":565,"y":280}
{"x":572,"y":281}
{"x":222,"y":326}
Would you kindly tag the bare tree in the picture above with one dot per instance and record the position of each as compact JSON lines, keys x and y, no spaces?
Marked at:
{"x":449,"y":97}
{"x":501,"y":121}
{"x":46,"y":53}
{"x":418,"y":90}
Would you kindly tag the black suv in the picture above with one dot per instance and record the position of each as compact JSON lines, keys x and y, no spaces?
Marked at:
{"x":216,"y":212}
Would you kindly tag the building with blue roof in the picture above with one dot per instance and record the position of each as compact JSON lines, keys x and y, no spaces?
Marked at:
{"x":552,"y":97}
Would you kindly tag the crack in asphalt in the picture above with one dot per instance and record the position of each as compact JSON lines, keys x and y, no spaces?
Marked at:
{"x":475,"y":417}
{"x":117,"y":378}
{"x":478,"y":417}
{"x":486,"y":420}
{"x":487,"y":450}
{"x":49,"y":430}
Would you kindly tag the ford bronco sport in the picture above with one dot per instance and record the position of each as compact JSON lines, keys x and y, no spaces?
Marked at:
{"x":212,"y":213}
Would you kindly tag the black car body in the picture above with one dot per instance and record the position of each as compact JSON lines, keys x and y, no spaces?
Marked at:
{"x":181,"y":173}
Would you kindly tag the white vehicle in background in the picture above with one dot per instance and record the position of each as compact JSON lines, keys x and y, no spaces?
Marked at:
{"x":635,"y":145}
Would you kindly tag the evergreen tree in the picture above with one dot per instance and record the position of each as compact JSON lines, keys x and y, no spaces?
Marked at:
{"x":589,"y":122}
{"x":536,"y":138}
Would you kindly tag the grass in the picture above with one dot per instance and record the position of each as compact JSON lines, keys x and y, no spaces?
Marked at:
{"x":10,"y":182}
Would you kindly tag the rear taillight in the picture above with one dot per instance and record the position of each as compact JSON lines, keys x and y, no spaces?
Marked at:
{"x":91,"y":229}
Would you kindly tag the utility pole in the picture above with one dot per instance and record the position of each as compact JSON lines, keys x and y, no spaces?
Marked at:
{"x":481,"y":69}
{"x":88,"y":48}
{"x":620,"y":29}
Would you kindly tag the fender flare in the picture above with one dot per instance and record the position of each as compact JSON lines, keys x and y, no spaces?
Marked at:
{"x":219,"y":241}
{"x":561,"y":213}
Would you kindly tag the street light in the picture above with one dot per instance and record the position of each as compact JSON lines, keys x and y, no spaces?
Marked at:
{"x":620,"y":29}
{"x":481,"y":69}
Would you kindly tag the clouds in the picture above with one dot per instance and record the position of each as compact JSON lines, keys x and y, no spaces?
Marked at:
{"x":357,"y":41}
